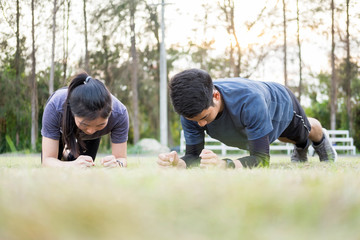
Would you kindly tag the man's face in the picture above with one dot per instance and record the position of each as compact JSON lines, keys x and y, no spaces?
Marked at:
{"x":208,"y":115}
{"x":205,"y":117}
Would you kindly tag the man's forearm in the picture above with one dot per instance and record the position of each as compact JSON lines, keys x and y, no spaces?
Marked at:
{"x":259,"y":153}
{"x":255,"y":160}
{"x":191,"y":160}
{"x":192,"y":153}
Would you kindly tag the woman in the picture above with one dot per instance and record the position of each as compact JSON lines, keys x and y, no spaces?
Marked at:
{"x":74,"y":120}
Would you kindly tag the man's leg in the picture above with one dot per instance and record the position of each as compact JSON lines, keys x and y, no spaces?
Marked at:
{"x":302,"y":131}
{"x":321,"y":143}
{"x":298,"y":133}
{"x":299,"y":153}
{"x":316,"y":133}
{"x":319,"y":139}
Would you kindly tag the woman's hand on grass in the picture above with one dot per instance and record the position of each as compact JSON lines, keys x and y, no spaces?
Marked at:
{"x":83,"y":161}
{"x":112,"y":162}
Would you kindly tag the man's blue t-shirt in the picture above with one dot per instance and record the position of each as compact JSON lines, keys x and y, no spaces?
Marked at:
{"x":117,"y":126}
{"x":252,"y":109}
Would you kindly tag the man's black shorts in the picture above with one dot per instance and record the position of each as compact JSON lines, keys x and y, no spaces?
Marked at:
{"x":299,"y":127}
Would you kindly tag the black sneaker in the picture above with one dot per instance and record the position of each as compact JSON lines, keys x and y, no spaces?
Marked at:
{"x":300,"y":154}
{"x":325,"y":150}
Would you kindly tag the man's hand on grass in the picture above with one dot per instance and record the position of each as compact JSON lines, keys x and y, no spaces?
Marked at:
{"x":209,"y":159}
{"x":170,"y":160}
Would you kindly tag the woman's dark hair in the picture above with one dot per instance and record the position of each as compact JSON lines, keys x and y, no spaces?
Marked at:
{"x":191,"y":92}
{"x":87,"y":98}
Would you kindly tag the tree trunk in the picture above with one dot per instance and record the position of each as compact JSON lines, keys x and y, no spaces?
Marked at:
{"x":108,"y":79}
{"x":228,"y":8}
{"x":34,"y":95}
{"x":64,"y":44}
{"x":17,"y":71}
{"x":154,"y":18}
{"x":66,"y":39}
{"x":299,"y":48}
{"x":87,"y":69}
{"x":204,"y":52}
{"x":134,"y":74}
{"x":348,"y":70}
{"x":163,"y":106}
{"x":333,"y":94}
{"x":237,"y":69}
{"x":52,"y":70}
{"x":285,"y":45}
{"x":156,"y":112}
{"x":239,"y":55}
{"x":232,"y":61}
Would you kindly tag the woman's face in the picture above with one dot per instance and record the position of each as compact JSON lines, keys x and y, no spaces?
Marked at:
{"x":89,"y":127}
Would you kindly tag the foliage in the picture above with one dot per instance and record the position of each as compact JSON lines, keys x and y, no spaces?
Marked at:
{"x":319,"y":97}
{"x":14,"y":101}
{"x":356,"y":116}
{"x":320,"y":109}
{"x":110,"y":60}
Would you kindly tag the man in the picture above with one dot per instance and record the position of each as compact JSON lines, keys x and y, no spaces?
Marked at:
{"x":242,"y":113}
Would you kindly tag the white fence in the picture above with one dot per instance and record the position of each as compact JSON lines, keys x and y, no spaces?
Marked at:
{"x":340,"y":140}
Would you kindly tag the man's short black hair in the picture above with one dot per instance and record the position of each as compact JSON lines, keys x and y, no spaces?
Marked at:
{"x":191,"y":92}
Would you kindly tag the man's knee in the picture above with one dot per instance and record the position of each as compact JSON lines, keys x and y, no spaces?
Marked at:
{"x":316,"y":132}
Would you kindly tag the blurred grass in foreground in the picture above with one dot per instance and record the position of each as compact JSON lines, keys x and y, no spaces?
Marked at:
{"x":286,"y":201}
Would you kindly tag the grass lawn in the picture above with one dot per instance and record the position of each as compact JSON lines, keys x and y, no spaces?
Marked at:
{"x":286,"y":201}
